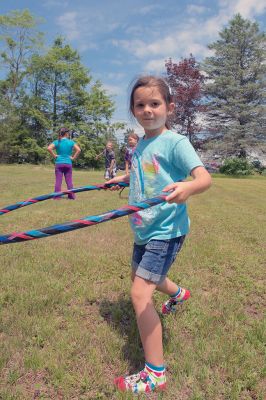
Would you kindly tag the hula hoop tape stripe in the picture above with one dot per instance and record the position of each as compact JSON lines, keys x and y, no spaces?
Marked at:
{"x":77,"y":223}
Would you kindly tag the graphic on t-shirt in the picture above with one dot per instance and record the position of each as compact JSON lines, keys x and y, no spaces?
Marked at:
{"x":144,"y":171}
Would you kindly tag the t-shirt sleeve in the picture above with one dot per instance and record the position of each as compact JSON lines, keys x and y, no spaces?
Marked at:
{"x":185,"y":157}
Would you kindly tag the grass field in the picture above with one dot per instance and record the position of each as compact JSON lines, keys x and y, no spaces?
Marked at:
{"x":67,"y":327}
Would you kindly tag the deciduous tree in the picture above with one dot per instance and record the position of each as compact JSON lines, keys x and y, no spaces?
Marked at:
{"x":20,"y":39}
{"x":185,"y":81}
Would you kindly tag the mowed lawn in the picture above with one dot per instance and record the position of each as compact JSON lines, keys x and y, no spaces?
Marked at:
{"x":67,"y":327}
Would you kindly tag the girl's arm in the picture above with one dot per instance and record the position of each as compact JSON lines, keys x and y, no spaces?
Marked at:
{"x":127,"y":168}
{"x":112,"y":165}
{"x":182,"y":190}
{"x":77,"y":151}
{"x":123,"y":178}
{"x":51,"y":149}
{"x":99,"y":155}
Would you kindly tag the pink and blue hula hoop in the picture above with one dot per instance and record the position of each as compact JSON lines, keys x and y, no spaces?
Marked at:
{"x":77,"y":223}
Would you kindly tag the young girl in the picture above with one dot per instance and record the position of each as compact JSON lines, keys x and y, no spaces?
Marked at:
{"x":63,"y":160}
{"x":161,"y":162}
{"x":110,"y":162}
{"x":132,"y":141}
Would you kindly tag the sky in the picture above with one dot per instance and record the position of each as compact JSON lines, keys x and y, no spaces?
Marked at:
{"x":120,"y":39}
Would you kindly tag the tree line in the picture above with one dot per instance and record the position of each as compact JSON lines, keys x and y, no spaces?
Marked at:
{"x":48,"y":87}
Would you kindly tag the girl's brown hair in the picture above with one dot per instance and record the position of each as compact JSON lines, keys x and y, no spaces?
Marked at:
{"x":151,"y":81}
{"x":134,"y":136}
{"x":62,"y":132}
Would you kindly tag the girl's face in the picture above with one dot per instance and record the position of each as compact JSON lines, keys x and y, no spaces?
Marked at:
{"x":151,"y":110}
{"x":132,"y":142}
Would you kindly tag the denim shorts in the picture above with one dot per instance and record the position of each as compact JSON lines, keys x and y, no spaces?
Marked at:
{"x":151,"y":261}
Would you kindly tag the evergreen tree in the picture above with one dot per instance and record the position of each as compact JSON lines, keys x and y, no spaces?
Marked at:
{"x":236,"y":84}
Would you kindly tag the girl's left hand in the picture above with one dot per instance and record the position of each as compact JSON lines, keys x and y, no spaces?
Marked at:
{"x":180,"y":192}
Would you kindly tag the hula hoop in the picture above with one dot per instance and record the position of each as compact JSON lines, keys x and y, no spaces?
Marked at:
{"x":43,"y":197}
{"x":77,"y":223}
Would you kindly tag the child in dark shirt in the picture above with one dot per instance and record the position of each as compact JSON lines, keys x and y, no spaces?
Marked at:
{"x":132,"y":141}
{"x":110,"y":162}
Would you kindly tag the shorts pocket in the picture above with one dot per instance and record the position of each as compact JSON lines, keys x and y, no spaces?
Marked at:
{"x":155,"y":245}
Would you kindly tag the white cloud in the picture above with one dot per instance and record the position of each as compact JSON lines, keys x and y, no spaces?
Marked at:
{"x":135,"y":46}
{"x":167,"y":45}
{"x":113,"y":90}
{"x":179,"y":44}
{"x":118,"y":63}
{"x":155,"y":66}
{"x":195,"y":9}
{"x":247,"y":8}
{"x":69,"y":24}
{"x":116,"y":75}
{"x":148,"y":9}
{"x":143,"y":50}
{"x":213,"y":25}
{"x":86,"y":45}
{"x":84,"y":28}
{"x":190,"y":37}
{"x":55,"y":3}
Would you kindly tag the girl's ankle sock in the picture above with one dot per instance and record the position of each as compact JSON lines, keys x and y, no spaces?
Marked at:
{"x":179,"y":291}
{"x":181,"y":294}
{"x":151,"y":378}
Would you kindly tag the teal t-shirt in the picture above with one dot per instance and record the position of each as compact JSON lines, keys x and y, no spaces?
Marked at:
{"x":157,"y":162}
{"x":64,"y":149}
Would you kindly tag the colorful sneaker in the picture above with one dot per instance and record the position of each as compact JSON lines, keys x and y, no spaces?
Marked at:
{"x":146,"y":381}
{"x":169,"y":305}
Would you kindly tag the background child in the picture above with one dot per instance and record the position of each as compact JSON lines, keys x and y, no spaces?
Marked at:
{"x":161,"y":162}
{"x":110,"y":162}
{"x":132,"y":142}
{"x":63,"y":160}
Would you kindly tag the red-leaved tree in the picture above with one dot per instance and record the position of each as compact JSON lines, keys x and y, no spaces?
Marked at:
{"x":185,"y":81}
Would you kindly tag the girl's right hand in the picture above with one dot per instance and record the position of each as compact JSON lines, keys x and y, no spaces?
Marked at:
{"x":118,"y":179}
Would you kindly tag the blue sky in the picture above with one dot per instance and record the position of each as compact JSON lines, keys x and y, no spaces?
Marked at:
{"x":119,"y":39}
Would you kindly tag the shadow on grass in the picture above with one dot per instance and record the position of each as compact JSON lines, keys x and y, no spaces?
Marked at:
{"x":120,"y":315}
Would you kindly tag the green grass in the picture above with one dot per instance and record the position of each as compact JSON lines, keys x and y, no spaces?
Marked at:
{"x":66,"y":322}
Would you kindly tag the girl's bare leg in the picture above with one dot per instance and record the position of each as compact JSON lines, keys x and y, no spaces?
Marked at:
{"x":148,"y":321}
{"x":168,"y":287}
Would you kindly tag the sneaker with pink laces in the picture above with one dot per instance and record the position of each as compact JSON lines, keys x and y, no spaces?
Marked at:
{"x":145,"y":381}
{"x":169,"y":306}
